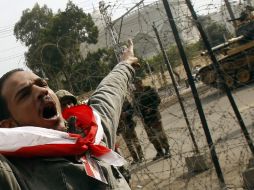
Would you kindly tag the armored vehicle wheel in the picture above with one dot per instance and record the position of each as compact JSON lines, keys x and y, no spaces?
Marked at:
{"x":243,"y":76}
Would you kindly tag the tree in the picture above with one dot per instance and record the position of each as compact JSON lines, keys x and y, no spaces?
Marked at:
{"x":157,"y":62}
{"x":93,"y":69}
{"x":216,"y":32}
{"x":53,"y":41}
{"x":28,"y":28}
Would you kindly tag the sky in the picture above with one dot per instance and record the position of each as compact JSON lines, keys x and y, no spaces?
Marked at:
{"x":12,"y":51}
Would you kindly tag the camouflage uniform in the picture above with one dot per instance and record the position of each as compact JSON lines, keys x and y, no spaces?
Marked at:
{"x":148,"y":101}
{"x":127,"y":129}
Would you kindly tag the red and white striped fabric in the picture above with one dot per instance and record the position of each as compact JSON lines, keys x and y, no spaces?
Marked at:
{"x":35,"y":141}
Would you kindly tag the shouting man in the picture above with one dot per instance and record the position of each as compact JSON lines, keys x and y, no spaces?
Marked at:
{"x":27,"y":105}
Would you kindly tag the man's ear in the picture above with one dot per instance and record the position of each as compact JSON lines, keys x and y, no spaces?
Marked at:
{"x":7,"y":123}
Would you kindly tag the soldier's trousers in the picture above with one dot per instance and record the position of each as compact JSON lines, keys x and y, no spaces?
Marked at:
{"x":131,"y":139}
{"x":157,"y":135}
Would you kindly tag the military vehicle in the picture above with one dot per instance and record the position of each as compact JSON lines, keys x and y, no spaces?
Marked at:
{"x":235,"y":57}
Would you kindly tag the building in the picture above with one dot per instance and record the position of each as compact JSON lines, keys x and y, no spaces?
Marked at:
{"x":137,"y":25}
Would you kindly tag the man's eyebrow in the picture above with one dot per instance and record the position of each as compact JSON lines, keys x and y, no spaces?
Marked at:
{"x":39,"y":81}
{"x":21,"y":91}
{"x":27,"y":87}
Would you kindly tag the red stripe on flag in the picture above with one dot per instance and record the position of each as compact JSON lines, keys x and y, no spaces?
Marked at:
{"x":48,"y":150}
{"x":88,"y":169}
{"x":86,"y":121}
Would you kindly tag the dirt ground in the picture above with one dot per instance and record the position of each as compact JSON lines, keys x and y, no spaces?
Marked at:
{"x":231,"y":148}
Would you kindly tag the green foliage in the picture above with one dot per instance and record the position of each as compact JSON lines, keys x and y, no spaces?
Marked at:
{"x":93,"y":69}
{"x":53,"y":41}
{"x":216,"y":32}
{"x":157,"y":61}
{"x":143,"y":70}
{"x":193,"y":50}
{"x":28,"y":28}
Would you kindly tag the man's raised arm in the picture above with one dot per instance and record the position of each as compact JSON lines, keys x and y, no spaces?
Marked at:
{"x":109,"y":96}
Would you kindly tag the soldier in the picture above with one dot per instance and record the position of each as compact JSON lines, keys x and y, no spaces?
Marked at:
{"x":66,"y":99}
{"x":148,"y":100}
{"x":127,"y":129}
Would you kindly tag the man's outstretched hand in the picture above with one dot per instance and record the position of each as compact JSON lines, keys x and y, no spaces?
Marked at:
{"x":128,"y":55}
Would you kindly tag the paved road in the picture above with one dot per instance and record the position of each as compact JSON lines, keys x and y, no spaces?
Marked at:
{"x":225,"y":131}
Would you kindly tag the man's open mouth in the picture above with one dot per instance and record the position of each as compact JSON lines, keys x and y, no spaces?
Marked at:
{"x":49,"y":111}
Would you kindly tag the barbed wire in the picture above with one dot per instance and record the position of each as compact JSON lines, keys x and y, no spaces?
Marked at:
{"x":231,"y":146}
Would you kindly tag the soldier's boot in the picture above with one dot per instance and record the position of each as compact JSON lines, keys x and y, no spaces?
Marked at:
{"x":159,"y":154}
{"x":126,"y":173}
{"x":167,"y":153}
{"x":158,"y":148}
{"x":140,"y":154}
{"x":133,"y":153}
{"x":135,"y":158}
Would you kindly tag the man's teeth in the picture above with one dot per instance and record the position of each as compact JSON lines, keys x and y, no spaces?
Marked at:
{"x":54,"y":116}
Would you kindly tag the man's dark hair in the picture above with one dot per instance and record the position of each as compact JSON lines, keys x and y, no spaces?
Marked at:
{"x":4,"y":112}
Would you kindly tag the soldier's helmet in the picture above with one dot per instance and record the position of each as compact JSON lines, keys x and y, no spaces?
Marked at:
{"x":64,"y":94}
